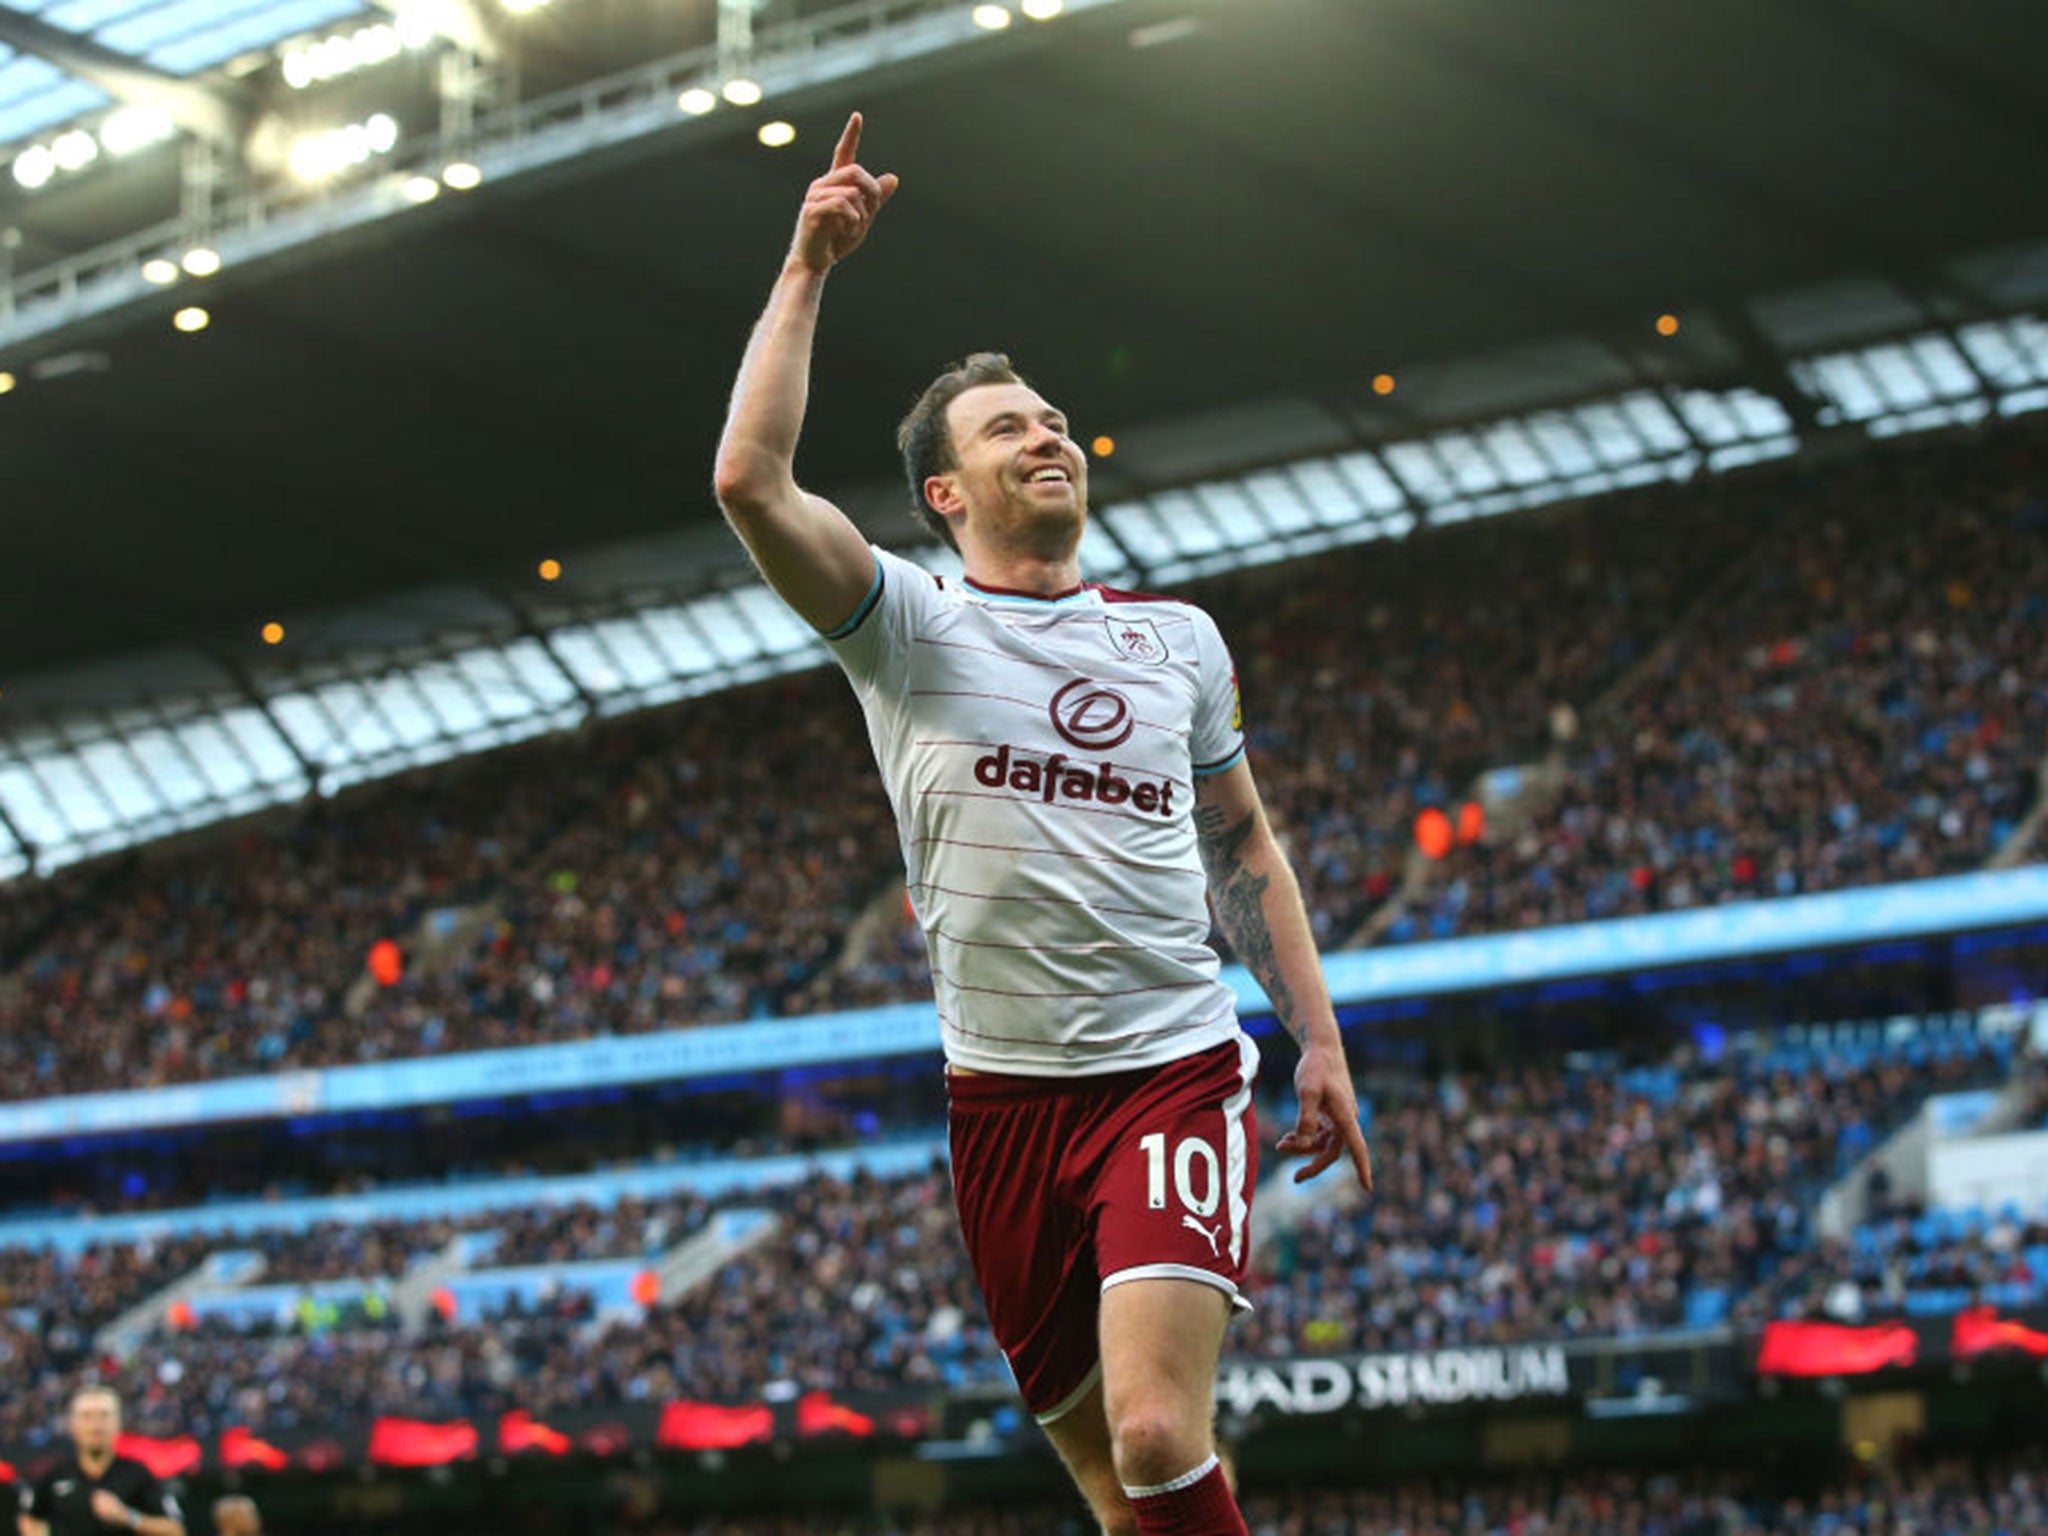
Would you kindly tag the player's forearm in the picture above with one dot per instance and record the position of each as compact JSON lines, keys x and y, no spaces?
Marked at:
{"x":1259,"y":907}
{"x":757,"y":454}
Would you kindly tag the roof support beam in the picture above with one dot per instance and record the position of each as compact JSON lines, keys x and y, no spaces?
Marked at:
{"x":218,"y":115}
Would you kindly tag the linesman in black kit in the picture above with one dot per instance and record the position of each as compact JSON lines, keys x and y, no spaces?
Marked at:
{"x":92,"y":1491}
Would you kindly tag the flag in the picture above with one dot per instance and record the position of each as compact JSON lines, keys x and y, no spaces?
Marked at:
{"x":1833,"y":1349}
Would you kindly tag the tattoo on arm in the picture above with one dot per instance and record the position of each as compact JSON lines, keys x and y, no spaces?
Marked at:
{"x":1240,"y":896}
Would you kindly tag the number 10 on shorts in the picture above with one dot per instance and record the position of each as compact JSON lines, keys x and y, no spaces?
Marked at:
{"x":1191,"y":1150}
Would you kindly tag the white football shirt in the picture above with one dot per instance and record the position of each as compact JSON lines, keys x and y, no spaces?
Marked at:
{"x":1041,"y":755}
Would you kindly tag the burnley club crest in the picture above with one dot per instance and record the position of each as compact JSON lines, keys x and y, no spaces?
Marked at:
{"x":1136,"y":640}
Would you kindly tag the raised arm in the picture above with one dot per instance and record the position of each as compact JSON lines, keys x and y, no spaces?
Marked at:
{"x":1258,"y":905}
{"x":806,"y":548}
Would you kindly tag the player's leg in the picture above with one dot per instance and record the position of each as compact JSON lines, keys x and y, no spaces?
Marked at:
{"x":1173,"y":1166}
{"x":1161,"y":1341}
{"x":1081,"y":1436}
{"x":1037,"y":1271}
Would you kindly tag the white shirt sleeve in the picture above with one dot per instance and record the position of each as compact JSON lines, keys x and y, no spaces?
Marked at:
{"x":874,"y":643}
{"x":1217,"y":740}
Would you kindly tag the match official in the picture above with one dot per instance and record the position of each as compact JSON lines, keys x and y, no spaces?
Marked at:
{"x":93,"y":1491}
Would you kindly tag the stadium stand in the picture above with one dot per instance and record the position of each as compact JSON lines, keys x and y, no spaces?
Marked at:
{"x":1537,"y":1202}
{"x":649,"y":877}
{"x":1894,"y":617}
{"x":1998,"y":1494}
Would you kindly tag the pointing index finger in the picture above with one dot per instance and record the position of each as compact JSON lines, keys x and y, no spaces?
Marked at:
{"x":849,"y":144}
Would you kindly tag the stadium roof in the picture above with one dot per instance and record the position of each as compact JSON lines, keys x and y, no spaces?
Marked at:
{"x":1205,"y":226}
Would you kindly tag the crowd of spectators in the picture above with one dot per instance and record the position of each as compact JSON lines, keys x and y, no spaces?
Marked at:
{"x":52,"y":1305}
{"x":565,"y":1233}
{"x":1866,"y":705}
{"x":1933,"y":1263}
{"x":1854,"y":699}
{"x":60,"y":1300}
{"x":2005,"y":1496}
{"x":695,"y":865}
{"x":1541,"y":1202}
{"x":1552,"y":1204}
{"x":864,"y":1285}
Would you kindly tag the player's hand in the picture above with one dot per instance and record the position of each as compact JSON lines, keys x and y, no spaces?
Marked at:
{"x":840,"y":207}
{"x":108,"y":1509}
{"x":1328,"y":1127}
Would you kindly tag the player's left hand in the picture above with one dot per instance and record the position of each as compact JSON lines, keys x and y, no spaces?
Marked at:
{"x":108,"y":1509}
{"x":1328,"y":1127}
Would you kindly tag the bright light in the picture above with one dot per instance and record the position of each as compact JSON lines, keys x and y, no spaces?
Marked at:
{"x":1383,"y":383}
{"x":521,"y":7}
{"x":777,"y":135}
{"x":991,"y":18}
{"x":75,"y":150}
{"x":133,"y":128}
{"x":201,"y":261}
{"x":346,"y":52}
{"x":160,"y":270}
{"x":6,"y":383}
{"x":273,"y":633}
{"x":696,"y":101}
{"x":34,"y":166}
{"x":416,"y":26}
{"x":551,"y":570}
{"x":1103,"y":446}
{"x":421,"y":189}
{"x":1042,"y":10}
{"x":743,"y":93}
{"x":462,"y":176}
{"x":191,"y":320}
{"x":318,"y":156}
{"x":1667,"y":325}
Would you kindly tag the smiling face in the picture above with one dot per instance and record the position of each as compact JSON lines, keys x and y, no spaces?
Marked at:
{"x":1018,"y":484}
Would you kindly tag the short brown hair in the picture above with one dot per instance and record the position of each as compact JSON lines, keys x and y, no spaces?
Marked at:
{"x":923,"y":439}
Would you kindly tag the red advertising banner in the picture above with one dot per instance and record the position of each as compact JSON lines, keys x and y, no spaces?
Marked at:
{"x":1834,"y":1349}
{"x":690,"y":1426}
{"x":240,"y":1448}
{"x":520,"y":1431}
{"x":818,"y":1414}
{"x":419,"y":1443}
{"x":1981,"y":1331}
{"x":166,"y":1458}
